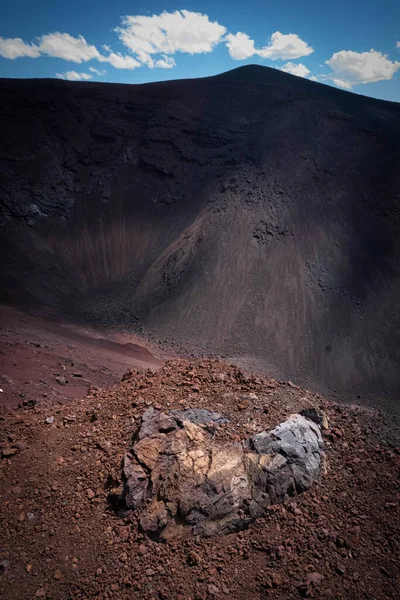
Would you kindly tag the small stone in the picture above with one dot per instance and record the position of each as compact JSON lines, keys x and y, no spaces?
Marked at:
{"x":8,"y":452}
{"x":276,"y":580}
{"x":314,"y":579}
{"x":58,"y":575}
{"x":49,"y":420}
{"x":30,"y":516}
{"x":29,"y":568}
{"x":150,"y":572}
{"x":62,"y":380}
{"x":69,"y":418}
{"x":4,"y":566}
{"x":340,"y":569}
{"x":193,"y":559}
{"x":90,"y":494}
{"x":212,"y":589}
{"x":17,"y":490}
{"x":225,"y":589}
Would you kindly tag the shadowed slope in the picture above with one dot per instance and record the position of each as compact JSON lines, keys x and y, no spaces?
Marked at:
{"x":253,"y":214}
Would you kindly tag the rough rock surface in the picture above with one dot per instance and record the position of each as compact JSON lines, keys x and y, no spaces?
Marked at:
{"x":183,"y":483}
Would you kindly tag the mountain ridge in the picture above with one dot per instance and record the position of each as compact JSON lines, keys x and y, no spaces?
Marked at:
{"x":245,"y":219}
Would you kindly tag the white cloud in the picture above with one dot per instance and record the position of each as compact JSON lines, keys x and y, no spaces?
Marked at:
{"x":285,"y":46}
{"x":119,"y":61}
{"x":166,"y":62}
{"x":343,"y":84}
{"x":397,"y":44}
{"x":281,"y":46}
{"x":240,"y":46}
{"x":168,"y":33}
{"x":300,"y":70}
{"x":63,"y":45}
{"x":16,"y":48}
{"x":74,"y":76}
{"x":313,"y":78}
{"x":353,"y":68}
{"x":96,"y":71}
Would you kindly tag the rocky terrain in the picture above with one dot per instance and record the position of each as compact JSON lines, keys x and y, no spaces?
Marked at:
{"x":47,"y":362}
{"x":63,"y":534}
{"x":252,"y":215}
{"x":158,"y":244}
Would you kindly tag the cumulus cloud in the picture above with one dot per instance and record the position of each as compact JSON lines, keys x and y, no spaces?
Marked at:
{"x":313,"y":78}
{"x":240,"y":45}
{"x":285,"y":46}
{"x":119,"y":61}
{"x":16,"y":48}
{"x":96,"y":71}
{"x":281,"y":46}
{"x":74,"y":76}
{"x":57,"y":45}
{"x":168,"y":33}
{"x":353,"y":68}
{"x":152,"y":40}
{"x":166,"y":62}
{"x":300,"y":70}
{"x":63,"y":45}
{"x":397,"y":44}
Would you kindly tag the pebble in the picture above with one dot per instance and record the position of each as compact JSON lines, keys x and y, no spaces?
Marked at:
{"x":193,"y":559}
{"x":4,"y":566}
{"x":49,"y":420}
{"x":58,"y":575}
{"x":212,"y":589}
{"x":8,"y":452}
{"x":340,"y":569}
{"x":314,"y":579}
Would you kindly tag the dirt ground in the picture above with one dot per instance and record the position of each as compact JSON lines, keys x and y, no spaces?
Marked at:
{"x":61,"y":536}
{"x":44,"y":362}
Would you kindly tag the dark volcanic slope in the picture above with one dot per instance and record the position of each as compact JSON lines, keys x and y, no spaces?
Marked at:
{"x":253,"y":214}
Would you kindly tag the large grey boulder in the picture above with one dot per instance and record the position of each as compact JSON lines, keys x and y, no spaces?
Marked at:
{"x":183,"y":482}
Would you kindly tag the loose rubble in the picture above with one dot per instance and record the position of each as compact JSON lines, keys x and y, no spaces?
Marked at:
{"x":339,"y":540}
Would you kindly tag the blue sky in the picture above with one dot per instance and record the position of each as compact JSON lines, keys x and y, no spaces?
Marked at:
{"x":353,"y":45}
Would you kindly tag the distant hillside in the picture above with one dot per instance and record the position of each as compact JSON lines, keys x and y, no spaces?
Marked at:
{"x":253,"y":214}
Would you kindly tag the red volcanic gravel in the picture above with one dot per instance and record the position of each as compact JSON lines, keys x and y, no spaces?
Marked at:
{"x":60,"y":537}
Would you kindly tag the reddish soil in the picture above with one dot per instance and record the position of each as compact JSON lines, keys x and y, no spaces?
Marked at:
{"x":61,"y":537}
{"x":48,"y":362}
